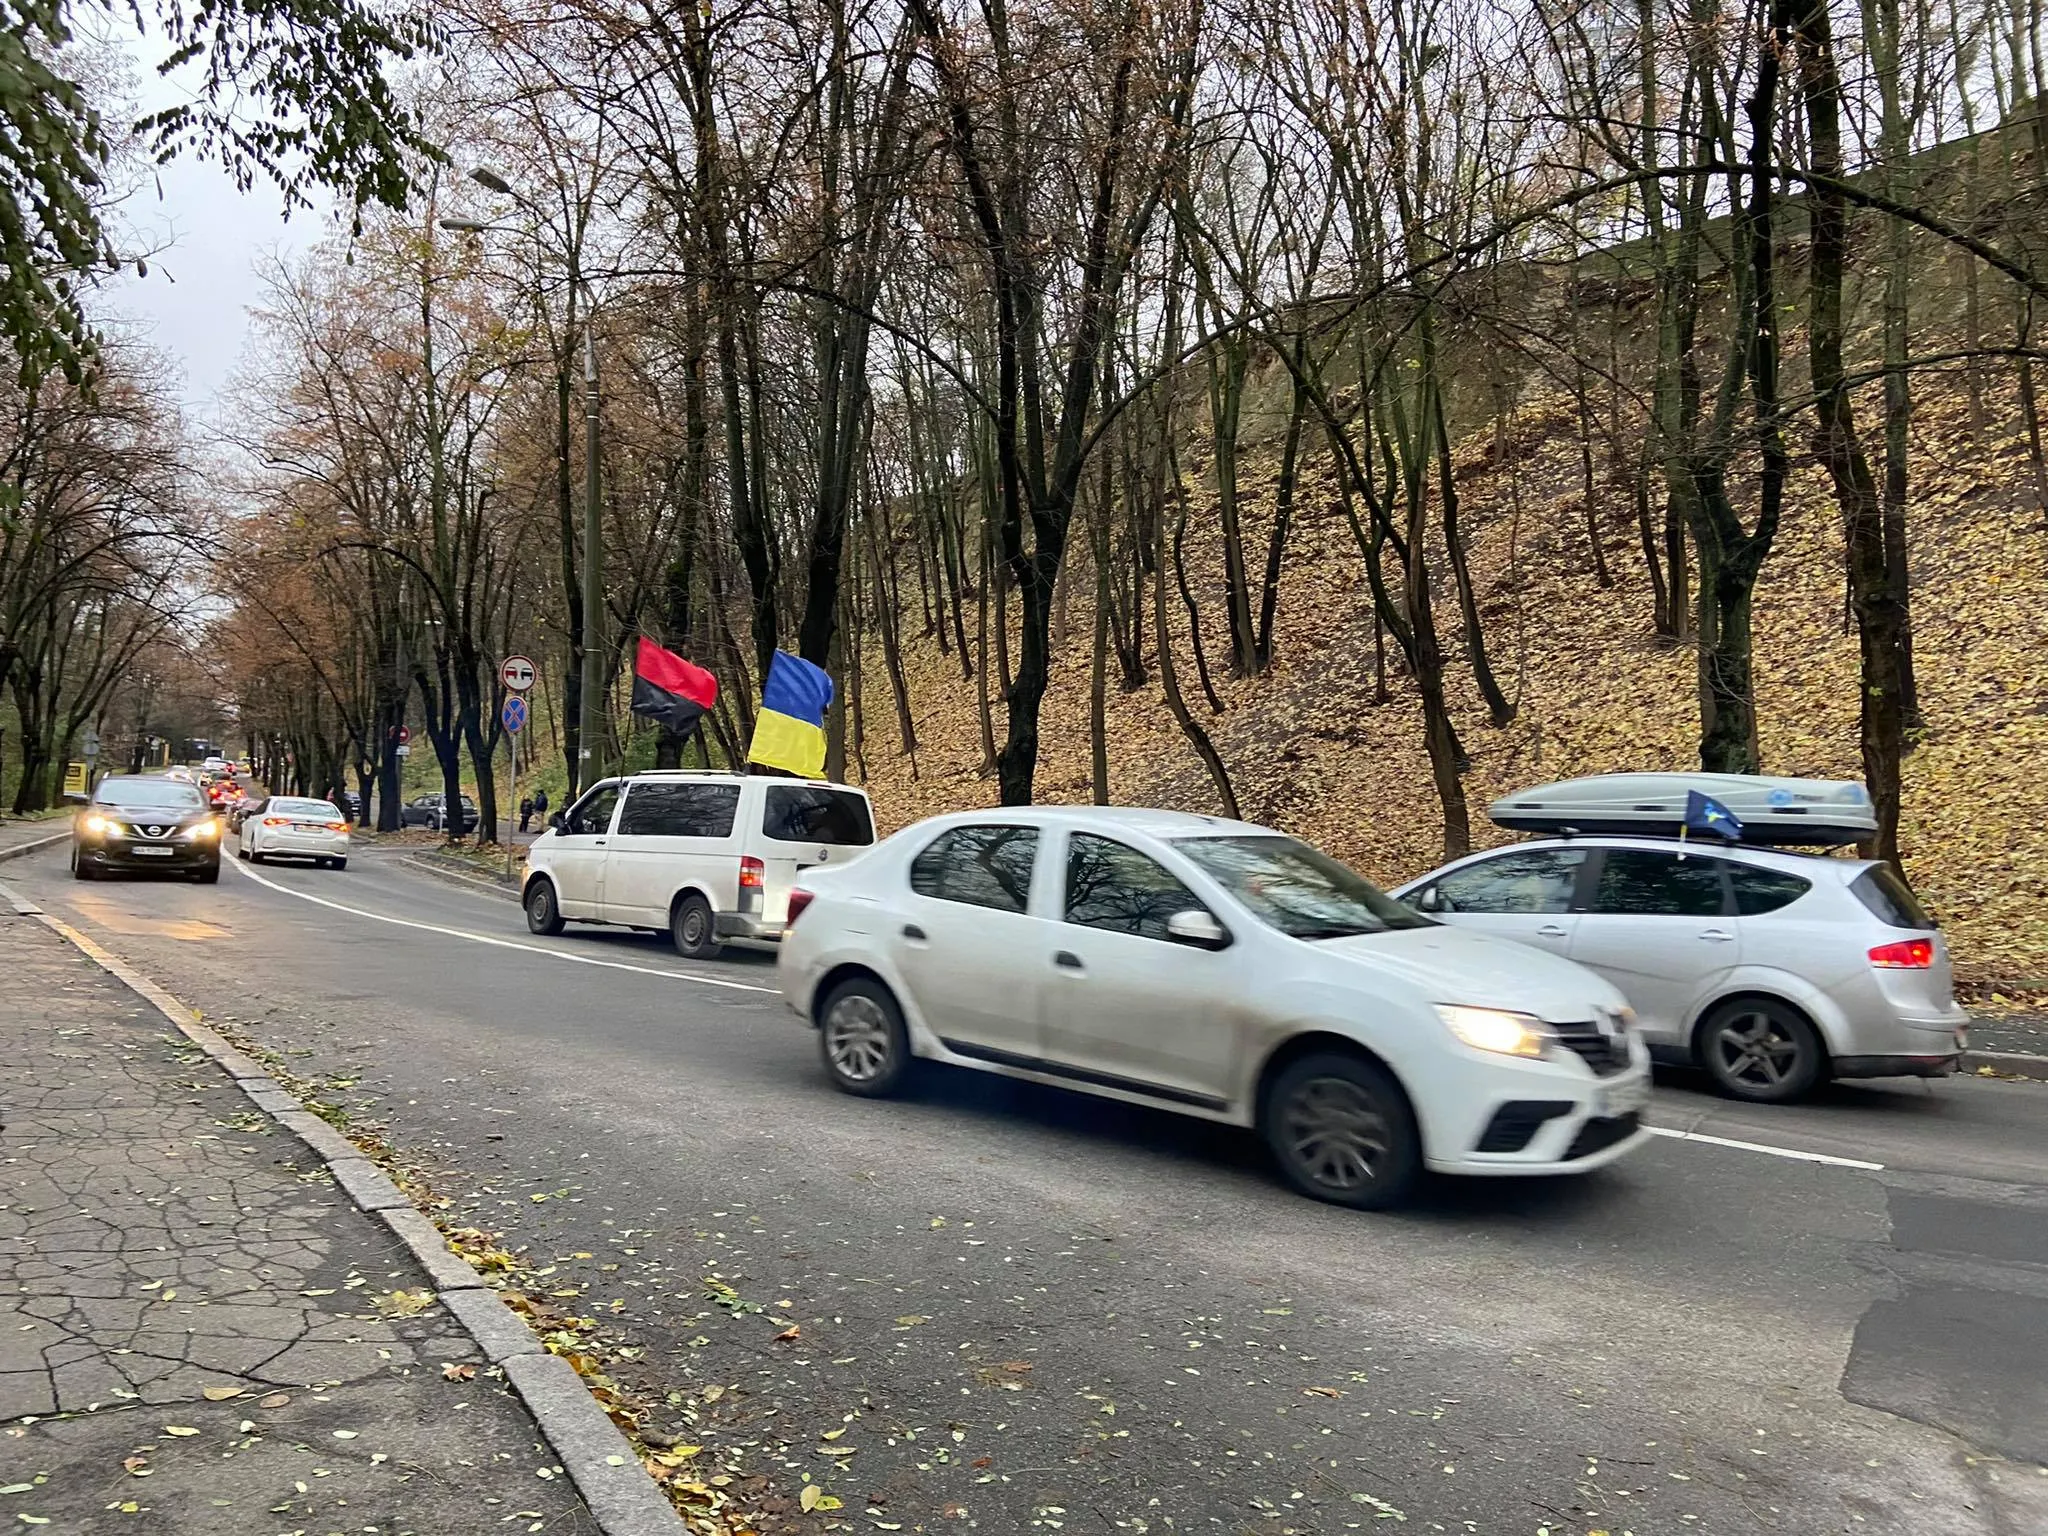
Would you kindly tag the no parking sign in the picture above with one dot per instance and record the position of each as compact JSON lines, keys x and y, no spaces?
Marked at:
{"x":513,"y":715}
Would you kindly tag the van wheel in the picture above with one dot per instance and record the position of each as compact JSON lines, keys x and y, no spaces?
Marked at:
{"x":1761,"y":1050}
{"x":1341,"y":1130}
{"x":861,"y":1038}
{"x":543,"y":912}
{"x":690,"y":927}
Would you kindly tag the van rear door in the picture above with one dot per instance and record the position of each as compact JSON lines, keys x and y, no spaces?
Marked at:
{"x":804,"y":825}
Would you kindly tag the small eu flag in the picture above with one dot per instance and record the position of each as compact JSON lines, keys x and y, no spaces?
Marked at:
{"x":1703,"y":813}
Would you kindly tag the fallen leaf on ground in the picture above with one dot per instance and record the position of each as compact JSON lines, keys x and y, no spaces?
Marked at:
{"x":275,"y":1400}
{"x":911,"y":1321}
{"x":814,"y":1497}
{"x":456,"y":1372}
{"x":787,"y":1334}
{"x":179,"y":1429}
{"x":344,"y":1434}
{"x":220,"y":1394}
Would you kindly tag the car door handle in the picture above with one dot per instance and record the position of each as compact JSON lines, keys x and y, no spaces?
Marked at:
{"x":1067,"y":960}
{"x":1550,"y":931}
{"x":1717,"y":935}
{"x":914,"y":933}
{"x":598,"y":841}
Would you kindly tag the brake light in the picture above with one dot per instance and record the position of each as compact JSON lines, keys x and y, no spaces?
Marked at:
{"x":277,"y":821}
{"x":1906,"y":955}
{"x":753,"y":874}
{"x":335,"y":826}
{"x":799,"y":898}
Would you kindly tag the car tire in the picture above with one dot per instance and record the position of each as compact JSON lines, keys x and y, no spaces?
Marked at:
{"x":1761,"y":1051}
{"x":80,"y":870}
{"x":338,"y":863}
{"x":1342,"y":1130}
{"x":543,"y":910}
{"x":692,"y":930}
{"x":862,"y":1041}
{"x":209,"y":875}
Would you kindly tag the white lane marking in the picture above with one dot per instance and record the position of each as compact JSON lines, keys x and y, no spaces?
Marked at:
{"x":1757,"y":1146}
{"x":496,"y":943}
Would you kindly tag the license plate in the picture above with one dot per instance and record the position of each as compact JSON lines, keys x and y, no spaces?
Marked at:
{"x":155,"y":853}
{"x":1622,"y":1098}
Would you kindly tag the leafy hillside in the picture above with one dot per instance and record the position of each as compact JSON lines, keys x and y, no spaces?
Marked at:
{"x":1310,"y":751}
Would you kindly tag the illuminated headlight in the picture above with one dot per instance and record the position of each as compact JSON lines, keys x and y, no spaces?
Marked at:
{"x":1496,"y":1030}
{"x":203,"y":831}
{"x":97,"y":826}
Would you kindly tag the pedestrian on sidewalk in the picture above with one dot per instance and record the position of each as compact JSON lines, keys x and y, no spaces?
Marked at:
{"x":540,"y":805}
{"x":525,"y":812}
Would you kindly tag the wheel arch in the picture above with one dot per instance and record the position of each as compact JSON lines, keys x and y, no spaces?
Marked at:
{"x":686,"y":890}
{"x":1310,"y":1042}
{"x":838,"y":976}
{"x":1822,"y":1027}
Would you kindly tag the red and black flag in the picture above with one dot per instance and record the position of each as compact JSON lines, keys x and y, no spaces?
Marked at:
{"x":667,"y":688}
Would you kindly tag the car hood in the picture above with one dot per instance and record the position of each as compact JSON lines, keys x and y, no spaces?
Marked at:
{"x":1451,"y":965}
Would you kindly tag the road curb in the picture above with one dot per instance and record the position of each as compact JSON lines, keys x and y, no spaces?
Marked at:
{"x":623,"y":1500}
{"x":440,"y":871}
{"x":2011,"y":1063}
{"x":18,"y":850}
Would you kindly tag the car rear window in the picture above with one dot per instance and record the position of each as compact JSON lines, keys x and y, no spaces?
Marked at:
{"x":811,"y":813}
{"x":1890,"y":900}
{"x":304,"y":808}
{"x":1758,"y":891}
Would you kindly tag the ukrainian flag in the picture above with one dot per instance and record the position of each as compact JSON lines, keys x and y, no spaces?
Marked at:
{"x":789,"y":733}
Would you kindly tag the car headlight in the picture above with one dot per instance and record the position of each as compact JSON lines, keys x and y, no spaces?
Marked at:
{"x":1496,"y":1029}
{"x":96,"y":826}
{"x":204,"y":830}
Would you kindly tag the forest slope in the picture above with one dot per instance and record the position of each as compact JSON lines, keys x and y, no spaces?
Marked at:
{"x":1309,"y":749}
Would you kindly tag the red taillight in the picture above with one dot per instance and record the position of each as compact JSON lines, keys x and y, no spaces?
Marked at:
{"x":335,"y":826}
{"x":277,"y":821}
{"x":753,"y":874}
{"x":798,"y":900}
{"x":1906,"y":955}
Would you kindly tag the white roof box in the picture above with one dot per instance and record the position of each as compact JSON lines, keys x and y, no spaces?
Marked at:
{"x":1817,"y":813}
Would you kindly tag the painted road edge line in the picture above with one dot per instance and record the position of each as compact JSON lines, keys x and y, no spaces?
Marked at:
{"x":1827,"y":1158}
{"x":623,"y":1500}
{"x":498,"y":943}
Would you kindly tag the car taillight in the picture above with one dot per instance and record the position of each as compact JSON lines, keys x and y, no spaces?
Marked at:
{"x":753,"y":874}
{"x":1906,"y":955}
{"x":335,"y":826}
{"x":798,"y":900}
{"x":277,"y":821}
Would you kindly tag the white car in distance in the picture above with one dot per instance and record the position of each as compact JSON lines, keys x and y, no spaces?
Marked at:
{"x":1222,"y":970}
{"x":291,"y":827}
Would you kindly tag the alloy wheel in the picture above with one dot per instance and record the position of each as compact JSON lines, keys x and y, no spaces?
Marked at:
{"x":858,"y":1038}
{"x":1754,"y":1049}
{"x":1338,"y":1136}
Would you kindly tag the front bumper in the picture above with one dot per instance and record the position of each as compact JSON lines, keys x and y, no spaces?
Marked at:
{"x":1530,"y":1118}
{"x":183,"y":857}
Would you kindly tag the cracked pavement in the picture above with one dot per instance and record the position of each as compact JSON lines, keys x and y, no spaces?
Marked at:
{"x":193,"y":1319}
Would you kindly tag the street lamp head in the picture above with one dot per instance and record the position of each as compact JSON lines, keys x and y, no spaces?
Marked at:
{"x":465,"y":226}
{"x":484,"y":176}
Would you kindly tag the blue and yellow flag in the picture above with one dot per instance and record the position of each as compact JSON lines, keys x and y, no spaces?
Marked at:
{"x":790,"y":731}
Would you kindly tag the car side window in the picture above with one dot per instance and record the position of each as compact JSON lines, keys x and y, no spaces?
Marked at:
{"x":679,"y":810}
{"x":1531,"y":881}
{"x":592,"y":815}
{"x":1113,"y":886}
{"x":1758,"y":891}
{"x":1634,"y":882}
{"x":984,"y":866}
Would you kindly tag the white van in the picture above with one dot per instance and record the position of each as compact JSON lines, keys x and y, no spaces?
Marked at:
{"x":710,"y":857}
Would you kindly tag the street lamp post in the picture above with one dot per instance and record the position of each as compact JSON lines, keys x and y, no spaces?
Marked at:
{"x":590,"y":725}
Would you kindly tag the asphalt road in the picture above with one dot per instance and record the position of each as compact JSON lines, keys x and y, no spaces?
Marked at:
{"x":1025,"y":1310}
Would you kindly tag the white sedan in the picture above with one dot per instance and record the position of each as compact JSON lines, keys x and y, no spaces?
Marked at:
{"x":295,"y":828}
{"x":1221,"y":970}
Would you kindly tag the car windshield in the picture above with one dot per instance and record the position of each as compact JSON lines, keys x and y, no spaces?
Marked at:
{"x":148,"y":794}
{"x":1300,"y":890}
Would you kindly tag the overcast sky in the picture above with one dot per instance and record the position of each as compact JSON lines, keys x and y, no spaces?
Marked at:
{"x":193,"y":305}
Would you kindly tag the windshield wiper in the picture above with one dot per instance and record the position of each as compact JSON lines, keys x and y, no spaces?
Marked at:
{"x":1334,"y":931}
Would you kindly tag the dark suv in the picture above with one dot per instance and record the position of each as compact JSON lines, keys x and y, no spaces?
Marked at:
{"x":431,"y":811}
{"x":136,"y":821}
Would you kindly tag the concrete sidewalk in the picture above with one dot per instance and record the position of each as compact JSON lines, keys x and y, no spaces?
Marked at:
{"x":17,"y":836}
{"x":199,"y":1332}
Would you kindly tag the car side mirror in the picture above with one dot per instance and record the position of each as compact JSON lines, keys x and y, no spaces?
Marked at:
{"x":1427,"y":900}
{"x":1198,"y":930}
{"x":555,"y":822}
